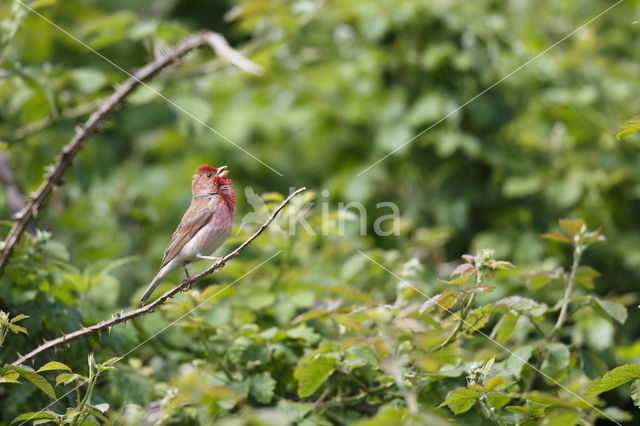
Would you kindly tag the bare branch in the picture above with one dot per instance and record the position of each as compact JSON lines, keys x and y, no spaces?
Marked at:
{"x":184,"y":285}
{"x":53,"y":176}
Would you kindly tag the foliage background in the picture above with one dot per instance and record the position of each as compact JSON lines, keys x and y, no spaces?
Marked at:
{"x":345,"y":83}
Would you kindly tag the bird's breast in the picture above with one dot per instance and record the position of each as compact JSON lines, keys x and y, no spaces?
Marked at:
{"x":212,"y":235}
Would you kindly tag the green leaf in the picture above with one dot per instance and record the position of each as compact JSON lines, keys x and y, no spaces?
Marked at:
{"x":523,"y":305}
{"x":628,"y":128}
{"x":19,"y":317}
{"x":54,"y":365}
{"x":497,"y":383}
{"x":518,"y":359}
{"x":262,"y":387}
{"x":505,"y":327}
{"x":556,"y":237}
{"x":635,"y":392}
{"x":359,"y":356}
{"x":111,"y":361}
{"x":313,"y":374}
{"x":613,"y":309}
{"x":446,"y":300}
{"x":461,"y":400}
{"x":558,"y":356}
{"x":614,"y":378}
{"x":498,"y":400}
{"x":295,"y":410}
{"x":39,"y":381}
{"x":67,"y":378}
{"x":33,"y":415}
{"x":387,"y":416}
{"x":572,"y":227}
{"x":303,"y":332}
{"x":9,"y":377}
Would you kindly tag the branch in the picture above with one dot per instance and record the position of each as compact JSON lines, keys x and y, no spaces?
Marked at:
{"x":53,"y":177}
{"x":184,"y":285}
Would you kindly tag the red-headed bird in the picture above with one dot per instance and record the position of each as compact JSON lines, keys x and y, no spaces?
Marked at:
{"x":205,"y":225}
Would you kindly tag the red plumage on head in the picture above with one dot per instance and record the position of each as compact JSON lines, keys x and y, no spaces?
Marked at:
{"x":207,"y":168}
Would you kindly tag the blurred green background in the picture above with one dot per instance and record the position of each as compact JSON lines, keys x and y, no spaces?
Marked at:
{"x":345,"y":84}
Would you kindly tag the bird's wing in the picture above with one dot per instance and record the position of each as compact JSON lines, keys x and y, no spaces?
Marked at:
{"x":197,"y":215}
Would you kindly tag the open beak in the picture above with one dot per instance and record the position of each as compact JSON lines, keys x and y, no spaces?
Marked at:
{"x":223,"y":171}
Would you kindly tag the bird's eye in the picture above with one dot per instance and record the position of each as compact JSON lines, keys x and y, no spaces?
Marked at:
{"x":208,"y":174}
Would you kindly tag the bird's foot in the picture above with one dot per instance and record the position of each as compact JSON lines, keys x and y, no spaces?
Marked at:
{"x":187,"y":284}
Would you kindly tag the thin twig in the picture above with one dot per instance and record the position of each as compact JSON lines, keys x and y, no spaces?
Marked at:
{"x":577,"y":253}
{"x":185,"y":284}
{"x":53,"y":176}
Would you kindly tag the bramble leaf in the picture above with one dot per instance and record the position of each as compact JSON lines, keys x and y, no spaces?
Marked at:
{"x":628,"y":128}
{"x":614,"y":378}
{"x":461,"y":400}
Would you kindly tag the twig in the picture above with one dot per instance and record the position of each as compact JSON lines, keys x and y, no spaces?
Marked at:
{"x":53,"y":176}
{"x":185,"y":284}
{"x":577,"y":253}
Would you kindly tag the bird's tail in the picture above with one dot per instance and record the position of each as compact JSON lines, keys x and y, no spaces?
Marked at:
{"x":154,"y":283}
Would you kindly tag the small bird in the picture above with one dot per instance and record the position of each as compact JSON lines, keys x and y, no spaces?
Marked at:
{"x":205,"y":225}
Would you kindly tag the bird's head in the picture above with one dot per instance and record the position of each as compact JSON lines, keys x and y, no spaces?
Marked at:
{"x":210,"y":181}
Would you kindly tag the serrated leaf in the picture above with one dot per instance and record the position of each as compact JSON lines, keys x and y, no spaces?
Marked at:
{"x":460,"y":280}
{"x":558,"y":356}
{"x":613,"y":309}
{"x":33,"y":415}
{"x":556,"y":237}
{"x":359,"y":356}
{"x":111,"y":361}
{"x":54,"y":365}
{"x":498,"y":400}
{"x":66,"y":378}
{"x":39,"y":381}
{"x":9,"y":377}
{"x":19,"y":317}
{"x":628,"y":128}
{"x":523,"y":305}
{"x":303,"y":332}
{"x":497,"y":383}
{"x":635,"y":392}
{"x":446,"y":300}
{"x":461,"y":400}
{"x":572,"y":227}
{"x":486,"y":368}
{"x":313,"y":374}
{"x":262,"y":387}
{"x":614,"y":378}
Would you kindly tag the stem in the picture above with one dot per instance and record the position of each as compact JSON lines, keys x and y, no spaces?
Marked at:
{"x":537,"y":327}
{"x":464,"y":310}
{"x":485,"y":405}
{"x":577,"y":253}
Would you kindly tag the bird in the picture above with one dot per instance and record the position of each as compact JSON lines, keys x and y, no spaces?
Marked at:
{"x":203,"y":228}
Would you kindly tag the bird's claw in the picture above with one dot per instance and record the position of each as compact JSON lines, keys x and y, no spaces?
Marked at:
{"x":187,"y":284}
